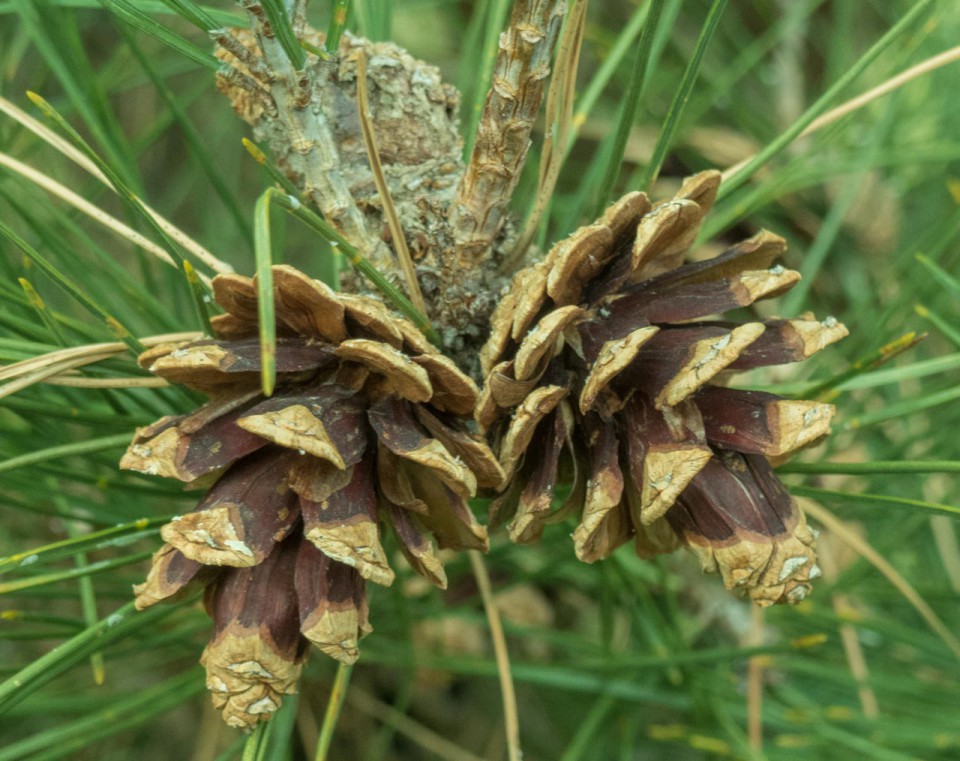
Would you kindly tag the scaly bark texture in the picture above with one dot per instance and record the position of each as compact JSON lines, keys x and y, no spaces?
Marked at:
{"x":309,"y":134}
{"x":503,"y":135}
{"x":314,"y":136}
{"x":310,"y":126}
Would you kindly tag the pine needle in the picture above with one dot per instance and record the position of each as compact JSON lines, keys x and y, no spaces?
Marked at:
{"x":510,"y":715}
{"x":338,"y":693}
{"x":865,"y":550}
{"x":854,"y":104}
{"x":424,"y":737}
{"x":94,"y":212}
{"x":389,"y":210}
{"x":76,"y":156}
{"x":736,"y":178}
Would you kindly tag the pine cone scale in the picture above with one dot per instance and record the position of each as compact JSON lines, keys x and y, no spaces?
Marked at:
{"x":332,"y":604}
{"x":307,"y":306}
{"x":242,"y":516}
{"x":602,"y":527}
{"x":786,"y":341}
{"x":615,"y":356}
{"x":254,"y":658}
{"x":539,"y":482}
{"x":345,"y":528}
{"x":171,"y":573}
{"x":759,"y":423}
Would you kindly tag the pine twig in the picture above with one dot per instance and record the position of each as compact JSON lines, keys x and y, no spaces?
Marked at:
{"x":298,"y":16}
{"x":503,"y":136}
{"x":246,"y":57}
{"x":559,"y":125}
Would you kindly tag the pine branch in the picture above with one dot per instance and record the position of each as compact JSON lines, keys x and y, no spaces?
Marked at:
{"x":503,"y":136}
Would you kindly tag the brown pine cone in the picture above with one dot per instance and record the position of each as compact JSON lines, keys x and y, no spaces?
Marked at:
{"x":367,"y":426}
{"x":598,"y":373}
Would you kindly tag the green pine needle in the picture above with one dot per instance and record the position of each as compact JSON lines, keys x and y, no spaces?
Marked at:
{"x":276,"y":11}
{"x":682,"y":95}
{"x":262,"y":246}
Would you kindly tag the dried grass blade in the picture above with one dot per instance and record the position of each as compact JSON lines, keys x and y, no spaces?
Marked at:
{"x":120,"y":187}
{"x":37,"y":376}
{"x":755,"y":672}
{"x":389,"y":210}
{"x":79,"y":382}
{"x":81,"y":204}
{"x":89,"y":350}
{"x":510,"y":714}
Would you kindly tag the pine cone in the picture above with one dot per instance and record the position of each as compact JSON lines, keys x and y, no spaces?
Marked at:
{"x":366,"y":426}
{"x":598,"y":373}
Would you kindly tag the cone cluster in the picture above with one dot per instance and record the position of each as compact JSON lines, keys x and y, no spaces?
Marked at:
{"x":367,"y":428}
{"x":606,"y":370}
